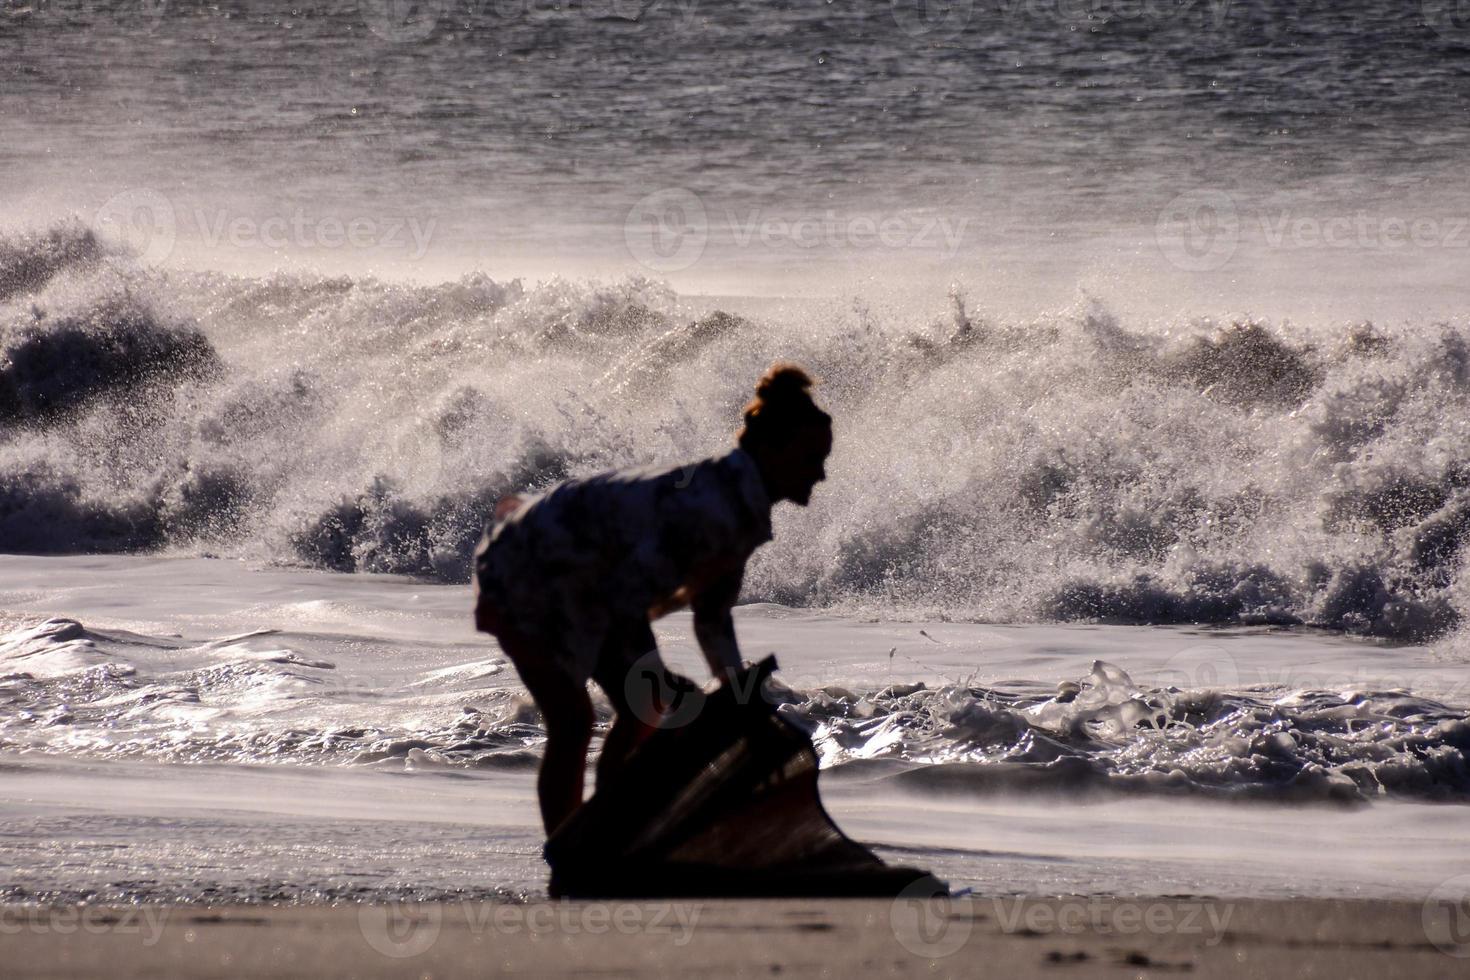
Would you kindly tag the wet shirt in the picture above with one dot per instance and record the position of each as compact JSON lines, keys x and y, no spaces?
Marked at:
{"x":568,"y":563}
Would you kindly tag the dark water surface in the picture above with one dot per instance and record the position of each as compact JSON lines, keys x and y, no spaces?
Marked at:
{"x":1043,"y":140}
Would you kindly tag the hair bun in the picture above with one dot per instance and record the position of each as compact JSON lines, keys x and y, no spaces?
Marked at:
{"x":782,"y":383}
{"x":782,"y":406}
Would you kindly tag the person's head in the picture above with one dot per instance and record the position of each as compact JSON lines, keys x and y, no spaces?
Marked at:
{"x":786,"y":434}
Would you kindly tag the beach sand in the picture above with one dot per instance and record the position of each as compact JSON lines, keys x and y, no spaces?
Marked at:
{"x":1005,"y":937}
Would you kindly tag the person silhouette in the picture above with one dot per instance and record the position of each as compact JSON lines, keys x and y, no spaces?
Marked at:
{"x":569,"y":581}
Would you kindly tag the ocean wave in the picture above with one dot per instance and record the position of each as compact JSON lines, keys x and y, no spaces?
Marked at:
{"x":28,"y":262}
{"x":1106,"y":734}
{"x":259,"y":699}
{"x":1069,"y":466}
{"x":53,"y":366}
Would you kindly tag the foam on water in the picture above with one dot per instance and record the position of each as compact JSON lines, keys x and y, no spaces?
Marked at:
{"x":255,"y":699}
{"x":1069,"y":466}
{"x":1106,"y":733}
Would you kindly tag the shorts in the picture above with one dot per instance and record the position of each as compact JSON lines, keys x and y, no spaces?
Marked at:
{"x":559,"y":609}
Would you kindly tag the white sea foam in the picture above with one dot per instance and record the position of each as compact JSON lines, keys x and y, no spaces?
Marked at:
{"x":1066,"y":467}
{"x":297,"y":753}
{"x":970,"y":709}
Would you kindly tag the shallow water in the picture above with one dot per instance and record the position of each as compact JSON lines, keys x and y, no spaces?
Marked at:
{"x":129,"y":831}
{"x":372,"y":745}
{"x":387,"y":673}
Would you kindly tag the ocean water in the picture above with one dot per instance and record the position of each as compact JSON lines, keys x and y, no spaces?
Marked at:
{"x":1179,"y":157}
{"x":1142,"y":325}
{"x":236,"y":732}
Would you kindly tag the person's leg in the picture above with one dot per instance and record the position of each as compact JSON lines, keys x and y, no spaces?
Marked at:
{"x":566,"y":711}
{"x":627,"y":732}
{"x":641,"y":690}
{"x":568,"y":732}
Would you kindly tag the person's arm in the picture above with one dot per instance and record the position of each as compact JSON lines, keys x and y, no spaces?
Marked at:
{"x":714,"y":627}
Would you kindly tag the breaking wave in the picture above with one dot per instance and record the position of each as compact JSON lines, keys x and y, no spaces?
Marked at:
{"x":263,"y":697}
{"x":1067,"y":467}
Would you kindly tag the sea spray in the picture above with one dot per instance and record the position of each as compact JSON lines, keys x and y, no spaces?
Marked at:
{"x":1070,"y":466}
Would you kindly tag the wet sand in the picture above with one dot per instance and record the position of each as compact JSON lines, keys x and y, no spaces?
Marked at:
{"x":1000,"y":937}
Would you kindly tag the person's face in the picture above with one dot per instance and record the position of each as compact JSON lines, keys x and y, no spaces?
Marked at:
{"x":806,"y":463}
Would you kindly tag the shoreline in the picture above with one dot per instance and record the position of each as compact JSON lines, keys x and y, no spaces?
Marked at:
{"x":1003,"y":936}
